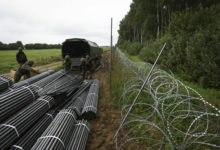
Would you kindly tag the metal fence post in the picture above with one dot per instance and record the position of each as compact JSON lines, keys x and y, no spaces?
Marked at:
{"x":111,"y":57}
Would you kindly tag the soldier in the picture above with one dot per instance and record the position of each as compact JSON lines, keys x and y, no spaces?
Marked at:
{"x":67,"y":63}
{"x":88,"y":64}
{"x":83,"y":67}
{"x":86,"y":67}
{"x":21,"y":57}
{"x":25,"y":70}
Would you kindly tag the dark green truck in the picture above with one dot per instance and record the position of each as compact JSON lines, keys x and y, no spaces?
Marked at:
{"x":77,"y":48}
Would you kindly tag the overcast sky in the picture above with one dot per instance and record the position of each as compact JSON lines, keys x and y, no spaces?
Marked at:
{"x":53,"y":21}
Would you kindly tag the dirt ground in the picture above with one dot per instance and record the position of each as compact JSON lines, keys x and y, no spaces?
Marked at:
{"x":40,"y":68}
{"x":108,"y":120}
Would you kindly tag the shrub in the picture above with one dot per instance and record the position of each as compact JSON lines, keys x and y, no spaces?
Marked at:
{"x":134,"y":48}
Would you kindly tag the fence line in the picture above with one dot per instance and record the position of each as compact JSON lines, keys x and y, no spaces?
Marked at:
{"x":167,"y":114}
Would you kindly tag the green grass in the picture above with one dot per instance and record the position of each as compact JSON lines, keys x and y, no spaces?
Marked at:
{"x":40,"y":57}
{"x":117,"y":86}
{"x":211,"y":95}
{"x":132,"y":57}
{"x":106,"y":48}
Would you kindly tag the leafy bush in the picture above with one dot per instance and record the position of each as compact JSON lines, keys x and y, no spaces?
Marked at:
{"x":134,"y":48}
{"x":150,"y":52}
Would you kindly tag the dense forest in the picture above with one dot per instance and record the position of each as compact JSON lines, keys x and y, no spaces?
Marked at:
{"x":189,"y":27}
{"x":16,"y":45}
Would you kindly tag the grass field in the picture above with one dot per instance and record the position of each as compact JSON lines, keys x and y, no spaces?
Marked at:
{"x":105,"y":48}
{"x":40,"y":57}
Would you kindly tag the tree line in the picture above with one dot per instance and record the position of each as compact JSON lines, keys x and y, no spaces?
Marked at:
{"x":16,"y":45}
{"x":190,"y":29}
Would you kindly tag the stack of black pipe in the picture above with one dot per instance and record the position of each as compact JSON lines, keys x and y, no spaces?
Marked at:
{"x":17,"y":125}
{"x":78,"y":103}
{"x":29,"y":138}
{"x":65,"y":84}
{"x":5,"y":83}
{"x":33,"y":79}
{"x":13,"y":101}
{"x":84,"y":86}
{"x":90,"y":107}
{"x":6,"y":91}
{"x":57,"y":135}
{"x":29,"y":128}
{"x":49,"y":79}
{"x":79,"y":137}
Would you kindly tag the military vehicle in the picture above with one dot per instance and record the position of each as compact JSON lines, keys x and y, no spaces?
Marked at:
{"x":77,"y":48}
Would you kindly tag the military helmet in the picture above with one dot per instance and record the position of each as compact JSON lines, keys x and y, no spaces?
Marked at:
{"x":67,"y":57}
{"x":82,"y":59}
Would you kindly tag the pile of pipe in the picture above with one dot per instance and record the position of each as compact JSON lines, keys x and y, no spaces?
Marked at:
{"x":26,"y":82}
{"x":5,"y":83}
{"x":64,"y":84}
{"x":49,"y":79}
{"x":32,"y":117}
{"x":30,"y":138}
{"x":33,"y":79}
{"x":15,"y":100}
{"x":79,"y":137}
{"x":85,"y":105}
{"x":90,"y":107}
{"x":18,"y":124}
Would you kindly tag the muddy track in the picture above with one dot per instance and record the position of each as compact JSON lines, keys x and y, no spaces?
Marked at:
{"x":107,"y":122}
{"x":41,"y":68}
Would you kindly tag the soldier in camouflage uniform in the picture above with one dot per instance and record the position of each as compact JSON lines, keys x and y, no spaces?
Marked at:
{"x":21,"y":57}
{"x":83,"y":67}
{"x":25,"y":70}
{"x":86,"y":67}
{"x":67,"y":63}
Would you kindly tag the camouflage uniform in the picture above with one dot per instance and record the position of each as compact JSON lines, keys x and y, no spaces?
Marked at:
{"x":67,"y":63}
{"x":86,"y":67}
{"x":25,"y":70}
{"x":21,"y":57}
{"x":83,"y":67}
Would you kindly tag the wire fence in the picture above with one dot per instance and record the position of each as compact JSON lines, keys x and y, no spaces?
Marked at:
{"x":168,"y":113}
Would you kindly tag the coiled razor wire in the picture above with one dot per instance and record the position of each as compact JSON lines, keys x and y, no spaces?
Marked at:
{"x":168,"y":114}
